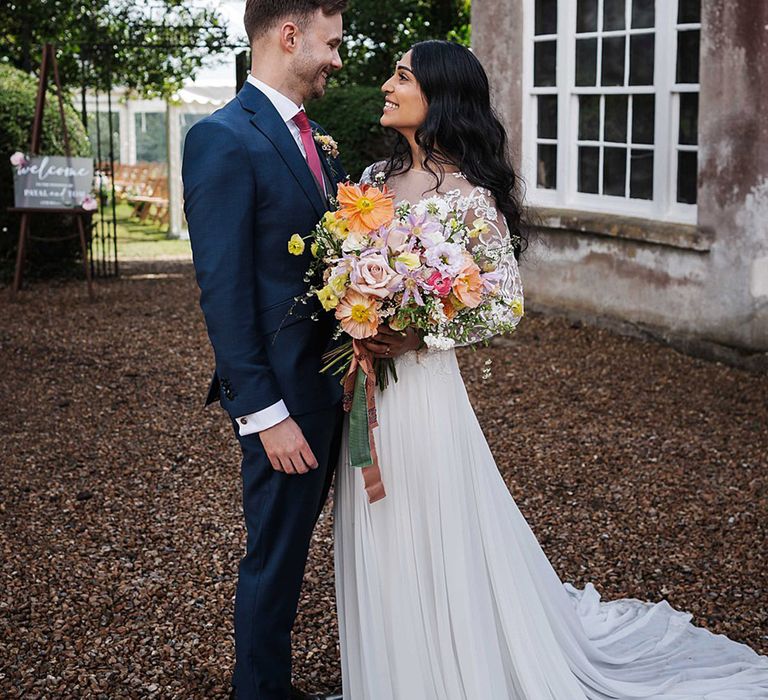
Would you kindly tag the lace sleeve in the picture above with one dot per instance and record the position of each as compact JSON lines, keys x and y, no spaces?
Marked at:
{"x":498,"y":247}
{"x":370,"y":173}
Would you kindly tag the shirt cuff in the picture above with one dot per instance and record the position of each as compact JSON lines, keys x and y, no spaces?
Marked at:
{"x":261,"y":420}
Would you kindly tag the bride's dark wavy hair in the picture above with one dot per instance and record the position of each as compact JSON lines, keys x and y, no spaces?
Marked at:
{"x":462,"y":130}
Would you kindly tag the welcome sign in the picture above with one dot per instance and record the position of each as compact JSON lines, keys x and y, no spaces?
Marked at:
{"x":52,"y":181}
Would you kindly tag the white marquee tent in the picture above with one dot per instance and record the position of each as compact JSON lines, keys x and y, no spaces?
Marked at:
{"x":154,"y":130}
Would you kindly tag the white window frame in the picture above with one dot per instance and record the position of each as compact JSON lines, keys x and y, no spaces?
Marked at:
{"x":664,"y":205}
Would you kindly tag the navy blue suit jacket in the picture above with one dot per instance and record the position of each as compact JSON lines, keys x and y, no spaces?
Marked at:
{"x":247,"y":189}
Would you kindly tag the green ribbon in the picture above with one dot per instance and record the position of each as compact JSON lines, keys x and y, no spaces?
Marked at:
{"x":359,"y":447}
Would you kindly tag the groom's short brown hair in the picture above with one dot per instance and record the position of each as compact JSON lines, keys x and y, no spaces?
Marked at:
{"x":262,"y":15}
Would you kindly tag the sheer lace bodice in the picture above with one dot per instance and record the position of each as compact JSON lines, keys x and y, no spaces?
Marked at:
{"x":456,"y":192}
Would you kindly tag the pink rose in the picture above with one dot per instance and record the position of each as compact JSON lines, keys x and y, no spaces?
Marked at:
{"x":89,"y":203}
{"x":18,"y":159}
{"x":396,"y":239}
{"x":440,"y":283}
{"x":372,"y":275}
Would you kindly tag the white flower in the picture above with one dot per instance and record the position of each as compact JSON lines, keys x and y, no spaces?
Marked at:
{"x":438,"y":342}
{"x":18,"y":159}
{"x":436,"y":206}
{"x":446,"y":257}
{"x":355,"y":241}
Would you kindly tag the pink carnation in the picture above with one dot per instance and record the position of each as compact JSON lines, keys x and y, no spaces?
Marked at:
{"x":440,"y":283}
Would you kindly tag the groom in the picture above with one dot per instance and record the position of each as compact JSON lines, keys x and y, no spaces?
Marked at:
{"x":253,"y":176}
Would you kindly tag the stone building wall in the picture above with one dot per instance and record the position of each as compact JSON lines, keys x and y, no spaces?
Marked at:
{"x":706,"y":283}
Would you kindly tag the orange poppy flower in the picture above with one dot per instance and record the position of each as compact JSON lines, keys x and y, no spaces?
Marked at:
{"x":359,"y":314}
{"x":366,"y":208}
{"x":468,"y":286}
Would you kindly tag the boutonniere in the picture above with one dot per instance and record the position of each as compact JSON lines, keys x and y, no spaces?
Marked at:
{"x":329,"y":146}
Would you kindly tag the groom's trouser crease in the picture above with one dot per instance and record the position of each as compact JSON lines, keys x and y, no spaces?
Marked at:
{"x":280,"y":514}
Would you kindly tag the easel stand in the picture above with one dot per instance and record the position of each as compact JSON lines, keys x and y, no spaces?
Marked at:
{"x":49,"y":63}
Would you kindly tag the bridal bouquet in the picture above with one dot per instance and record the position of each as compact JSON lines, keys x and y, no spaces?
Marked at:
{"x":418,"y":266}
{"x":412,"y":265}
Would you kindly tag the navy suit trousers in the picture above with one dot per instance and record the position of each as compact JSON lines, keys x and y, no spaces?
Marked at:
{"x":280,"y":514}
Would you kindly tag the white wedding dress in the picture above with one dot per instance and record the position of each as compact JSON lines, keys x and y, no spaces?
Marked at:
{"x":443,"y":592}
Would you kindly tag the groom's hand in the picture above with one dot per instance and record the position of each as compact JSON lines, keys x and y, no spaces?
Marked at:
{"x":287,"y":449}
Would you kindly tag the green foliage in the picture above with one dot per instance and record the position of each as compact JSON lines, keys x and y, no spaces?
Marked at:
{"x":350,"y":114}
{"x":378,"y":33}
{"x":151,"y":46}
{"x":17,"y":107}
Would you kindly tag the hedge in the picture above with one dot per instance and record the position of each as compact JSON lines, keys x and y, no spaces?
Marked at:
{"x":351,"y":115}
{"x":18,"y":91}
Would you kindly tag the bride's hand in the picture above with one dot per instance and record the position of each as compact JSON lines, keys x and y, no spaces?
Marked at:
{"x":388,"y":343}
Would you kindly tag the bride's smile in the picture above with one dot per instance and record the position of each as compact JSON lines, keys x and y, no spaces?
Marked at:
{"x":405,"y":106}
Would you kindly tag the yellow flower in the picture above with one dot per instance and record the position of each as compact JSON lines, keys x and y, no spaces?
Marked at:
{"x":517,"y":307}
{"x":327,"y":298}
{"x":296,"y":244}
{"x":338,"y":285}
{"x":410,"y":260}
{"x":342,"y":229}
{"x":479,"y":226}
{"x":337,"y":226}
{"x":314,"y":248}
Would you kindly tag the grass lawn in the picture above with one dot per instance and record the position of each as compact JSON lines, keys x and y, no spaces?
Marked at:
{"x":146,"y":241}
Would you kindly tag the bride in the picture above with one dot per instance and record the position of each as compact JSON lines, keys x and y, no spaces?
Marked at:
{"x":443,"y":592}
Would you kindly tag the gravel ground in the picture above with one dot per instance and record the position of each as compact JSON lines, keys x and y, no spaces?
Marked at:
{"x":638,"y":468}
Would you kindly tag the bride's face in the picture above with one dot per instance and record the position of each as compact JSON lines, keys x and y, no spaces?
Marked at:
{"x":405,"y":107}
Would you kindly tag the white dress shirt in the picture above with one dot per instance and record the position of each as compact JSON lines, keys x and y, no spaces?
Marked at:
{"x":287,"y":108}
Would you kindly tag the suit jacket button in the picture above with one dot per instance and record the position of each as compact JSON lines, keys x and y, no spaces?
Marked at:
{"x":243,"y":420}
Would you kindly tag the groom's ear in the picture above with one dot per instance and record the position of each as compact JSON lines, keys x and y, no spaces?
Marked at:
{"x":289,"y":34}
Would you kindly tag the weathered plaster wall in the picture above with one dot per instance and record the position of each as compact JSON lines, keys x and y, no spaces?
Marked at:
{"x":733,"y":168}
{"x":720,"y":295}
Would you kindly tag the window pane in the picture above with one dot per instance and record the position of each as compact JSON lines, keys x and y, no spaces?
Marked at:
{"x":546,"y":170}
{"x":586,"y":61}
{"x":689,"y":119}
{"x":643,"y":14}
{"x":689,"y":11}
{"x":589,"y":164}
{"x":151,"y":145}
{"x":547,"y":113}
{"x":546,"y":17}
{"x":613,"y":14}
{"x":686,"y":177}
{"x":586,"y":16}
{"x":545,"y":64}
{"x":641,"y":56}
{"x":641,"y":176}
{"x":615,"y":171}
{"x":589,"y":118}
{"x":688,"y":56}
{"x":613,"y":61}
{"x":643,"y":118}
{"x":616,"y":118}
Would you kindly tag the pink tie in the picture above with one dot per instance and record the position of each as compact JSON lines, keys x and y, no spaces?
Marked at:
{"x":313,"y":160}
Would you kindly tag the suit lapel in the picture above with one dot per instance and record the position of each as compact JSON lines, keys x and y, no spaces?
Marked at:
{"x":268,"y":121}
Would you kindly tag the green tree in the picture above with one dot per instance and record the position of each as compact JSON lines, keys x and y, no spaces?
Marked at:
{"x":151,"y":46}
{"x":378,"y":33}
